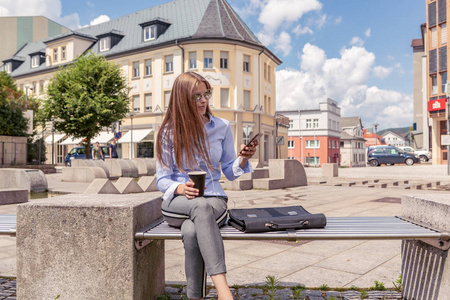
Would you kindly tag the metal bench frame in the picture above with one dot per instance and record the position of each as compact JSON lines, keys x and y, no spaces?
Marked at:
{"x":337,"y":228}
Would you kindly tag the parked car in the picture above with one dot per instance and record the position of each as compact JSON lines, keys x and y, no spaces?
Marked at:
{"x":390,"y":155}
{"x":424,"y":155}
{"x":80,"y":153}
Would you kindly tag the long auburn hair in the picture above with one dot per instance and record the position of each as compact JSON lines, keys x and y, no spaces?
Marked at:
{"x":184,"y":124}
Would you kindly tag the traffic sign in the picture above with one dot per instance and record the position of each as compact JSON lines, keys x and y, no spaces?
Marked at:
{"x":118,"y":135}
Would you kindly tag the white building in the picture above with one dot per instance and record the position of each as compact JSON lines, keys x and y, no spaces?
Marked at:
{"x":353,"y":149}
{"x":394,"y":139}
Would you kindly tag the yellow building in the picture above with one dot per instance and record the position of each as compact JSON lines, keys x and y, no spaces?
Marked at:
{"x":153,"y":46}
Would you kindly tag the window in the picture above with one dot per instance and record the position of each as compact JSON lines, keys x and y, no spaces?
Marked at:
{"x":148,"y":67}
{"x":166,"y":99}
{"x":223,"y":60}
{"x":265,"y":103}
{"x":334,"y":144}
{"x":312,"y":160}
{"x":444,"y":34}
{"x":308,"y":123}
{"x":193,"y":60}
{"x":208,"y":59}
{"x":290,"y":144}
{"x":246,"y":63}
{"x":63,"y":53}
{"x":224,"y":97}
{"x":444,"y":82}
{"x":291,"y":124}
{"x":268,"y":73}
{"x":168,"y":60}
{"x":329,"y":143}
{"x":105,"y":44}
{"x":136,"y":69}
{"x":148,"y":102}
{"x":137,"y":103}
{"x":149,"y":33}
{"x":8,"y":67}
{"x":269,"y":105}
{"x":34,"y":85}
{"x":312,"y":144}
{"x":316,"y":123}
{"x":55,"y":54}
{"x":434,"y":85}
{"x":35,"y":61}
{"x":41,"y":87}
{"x":433,"y":37}
{"x":246,"y":99}
{"x":265,"y":71}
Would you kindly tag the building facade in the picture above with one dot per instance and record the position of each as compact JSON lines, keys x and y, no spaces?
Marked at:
{"x":422,"y":128}
{"x":394,"y":139}
{"x":154,"y":46}
{"x":352,"y":150}
{"x":16,"y":32}
{"x":314,"y":135}
{"x":437,"y":61}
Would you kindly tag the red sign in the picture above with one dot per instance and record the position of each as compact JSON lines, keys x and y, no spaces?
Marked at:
{"x":438,"y":104}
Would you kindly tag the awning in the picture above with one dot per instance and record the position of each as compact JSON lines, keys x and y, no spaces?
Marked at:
{"x":57,"y":138}
{"x":103,"y":137}
{"x":138,"y":135}
{"x":72,"y":141}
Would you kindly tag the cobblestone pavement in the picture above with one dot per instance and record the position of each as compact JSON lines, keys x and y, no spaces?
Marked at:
{"x":7,"y":288}
{"x":8,"y":291}
{"x":283,"y":293}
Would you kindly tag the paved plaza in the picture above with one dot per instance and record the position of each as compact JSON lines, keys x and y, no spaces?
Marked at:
{"x":337,"y":264}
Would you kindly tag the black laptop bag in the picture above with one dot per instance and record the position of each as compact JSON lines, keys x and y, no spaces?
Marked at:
{"x":274,"y":219}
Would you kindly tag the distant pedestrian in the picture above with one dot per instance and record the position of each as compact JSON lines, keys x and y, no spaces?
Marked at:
{"x":97,"y":152}
{"x":113,"y":149}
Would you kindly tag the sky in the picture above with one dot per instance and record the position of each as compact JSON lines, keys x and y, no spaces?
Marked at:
{"x":356,"y":52}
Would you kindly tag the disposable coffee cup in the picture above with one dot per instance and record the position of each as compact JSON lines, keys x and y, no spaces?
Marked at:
{"x":198,"y":177}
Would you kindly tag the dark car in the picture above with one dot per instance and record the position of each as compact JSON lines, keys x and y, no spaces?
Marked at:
{"x":80,"y":153}
{"x":390,"y":155}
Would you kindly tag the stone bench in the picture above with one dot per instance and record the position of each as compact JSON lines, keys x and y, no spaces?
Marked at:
{"x":82,"y":174}
{"x":112,"y":247}
{"x":13,"y":196}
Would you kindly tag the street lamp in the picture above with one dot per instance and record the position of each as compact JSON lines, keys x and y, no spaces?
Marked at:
{"x":376,"y":135}
{"x":131,"y":117}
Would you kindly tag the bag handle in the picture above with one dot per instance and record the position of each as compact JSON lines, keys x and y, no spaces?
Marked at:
{"x":275,"y":225}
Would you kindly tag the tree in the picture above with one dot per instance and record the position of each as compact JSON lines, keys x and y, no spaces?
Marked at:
{"x":12,"y":120}
{"x":86,"y":96}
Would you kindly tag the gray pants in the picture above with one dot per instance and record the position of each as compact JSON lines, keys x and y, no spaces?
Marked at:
{"x":199,"y":219}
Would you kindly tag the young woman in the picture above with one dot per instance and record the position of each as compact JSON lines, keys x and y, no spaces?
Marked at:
{"x":192,"y":139}
{"x":113,"y":149}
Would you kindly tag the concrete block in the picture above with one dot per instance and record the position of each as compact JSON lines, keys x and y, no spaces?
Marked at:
{"x":101,"y":164}
{"x":128,"y":186}
{"x":426,"y":269}
{"x":13,"y":196}
{"x":101,"y":186}
{"x":132,"y":170}
{"x":238,"y":184}
{"x":151,"y":165}
{"x":82,"y":174}
{"x":148,"y":183}
{"x":256,"y":163}
{"x":260,"y":173}
{"x":146,"y":166}
{"x":30,"y":179}
{"x":141,"y":166}
{"x":290,"y":170}
{"x":330,"y":170}
{"x":269,"y":183}
{"x":82,"y":247}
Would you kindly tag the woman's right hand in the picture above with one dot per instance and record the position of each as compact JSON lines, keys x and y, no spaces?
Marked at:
{"x":187,"y":190}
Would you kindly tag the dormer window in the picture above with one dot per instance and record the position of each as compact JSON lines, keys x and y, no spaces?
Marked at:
{"x":105,"y":44}
{"x":55,"y":54}
{"x":149,"y":33}
{"x":35,"y":61}
{"x":8,"y":67}
{"x":63,"y":53}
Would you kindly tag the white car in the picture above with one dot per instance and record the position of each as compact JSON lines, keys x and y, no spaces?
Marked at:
{"x":424,"y":155}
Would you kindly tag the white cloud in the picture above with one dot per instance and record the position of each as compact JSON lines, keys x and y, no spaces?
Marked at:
{"x":275,"y":12}
{"x":298,"y":30}
{"x":343,"y":79}
{"x":367,"y":33}
{"x":48,"y":8}
{"x":357,"y":41}
{"x":265,"y":38}
{"x":100,"y":19}
{"x":321,"y":21}
{"x":283,"y":43}
{"x":382,"y":72}
{"x":338,"y":20}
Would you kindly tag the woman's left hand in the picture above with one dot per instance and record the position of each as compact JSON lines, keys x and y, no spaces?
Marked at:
{"x":248,"y":152}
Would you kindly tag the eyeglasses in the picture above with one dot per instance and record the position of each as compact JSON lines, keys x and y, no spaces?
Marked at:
{"x":198,"y":97}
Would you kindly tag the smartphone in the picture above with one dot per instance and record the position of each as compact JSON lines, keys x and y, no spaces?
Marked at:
{"x":255,"y":138}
